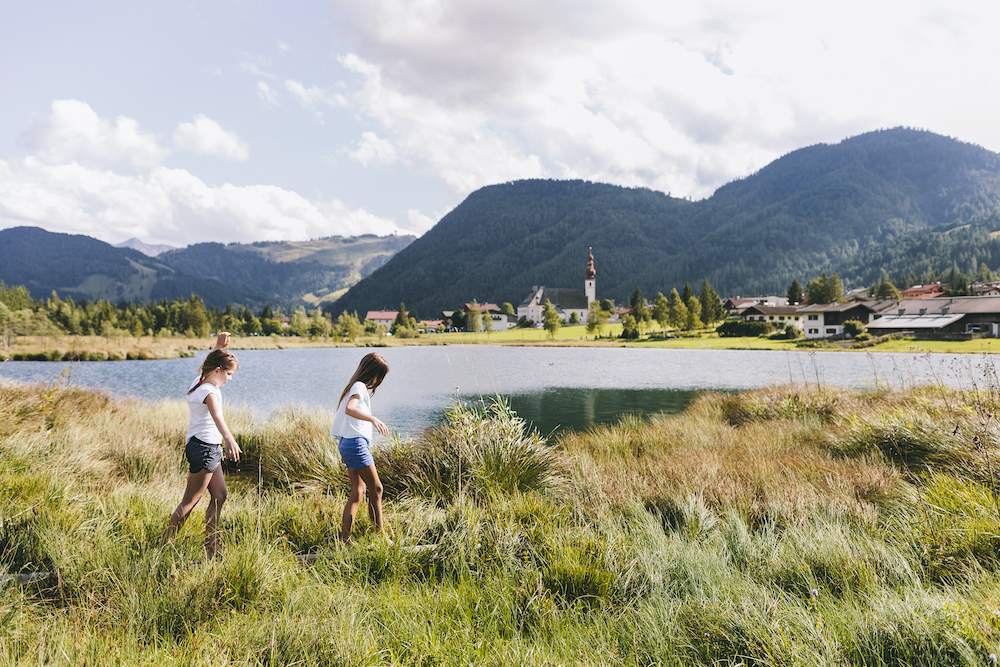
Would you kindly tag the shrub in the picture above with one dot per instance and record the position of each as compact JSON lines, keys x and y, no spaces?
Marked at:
{"x":475,"y":451}
{"x":738,"y":329}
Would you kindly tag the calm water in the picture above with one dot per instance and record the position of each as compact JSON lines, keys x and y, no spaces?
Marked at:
{"x":551,"y":387}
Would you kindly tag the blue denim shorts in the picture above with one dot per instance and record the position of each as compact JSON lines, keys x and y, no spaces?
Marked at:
{"x":202,"y":455}
{"x":355,"y":454}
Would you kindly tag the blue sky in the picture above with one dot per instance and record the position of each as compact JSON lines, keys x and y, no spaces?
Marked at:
{"x":184,"y":122}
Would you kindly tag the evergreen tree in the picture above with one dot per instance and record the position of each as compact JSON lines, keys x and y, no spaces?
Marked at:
{"x":637,"y":305}
{"x":693,"y":320}
{"x":661,"y":310}
{"x":711,"y":304}
{"x":401,"y":321}
{"x":826,"y":289}
{"x":794,"y":293}
{"x":678,"y":311}
{"x":687,"y":293}
{"x":886,"y":290}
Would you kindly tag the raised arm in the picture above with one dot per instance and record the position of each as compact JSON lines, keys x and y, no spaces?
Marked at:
{"x":222,"y":341}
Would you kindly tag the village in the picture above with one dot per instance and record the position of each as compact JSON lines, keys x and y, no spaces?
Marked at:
{"x":921,"y":311}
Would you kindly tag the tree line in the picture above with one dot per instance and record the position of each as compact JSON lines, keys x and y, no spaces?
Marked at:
{"x":21,"y":315}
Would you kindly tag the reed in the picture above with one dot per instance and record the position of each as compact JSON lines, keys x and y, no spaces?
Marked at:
{"x":787,"y":526}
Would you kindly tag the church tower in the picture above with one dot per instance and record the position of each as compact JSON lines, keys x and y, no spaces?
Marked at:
{"x":590,"y":285}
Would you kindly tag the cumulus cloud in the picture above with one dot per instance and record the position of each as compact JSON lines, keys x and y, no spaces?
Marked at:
{"x":71,"y":184}
{"x":168,"y":204}
{"x":681,"y":97}
{"x":73,"y":132}
{"x":206,"y":137}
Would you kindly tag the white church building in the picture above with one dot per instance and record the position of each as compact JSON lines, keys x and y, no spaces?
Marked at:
{"x":565,"y":300}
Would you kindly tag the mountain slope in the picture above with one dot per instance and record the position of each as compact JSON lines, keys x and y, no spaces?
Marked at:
{"x":289,"y":272}
{"x":812,"y":210}
{"x":286,"y":274}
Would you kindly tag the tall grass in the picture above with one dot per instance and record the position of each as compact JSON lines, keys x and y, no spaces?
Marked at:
{"x":787,"y":526}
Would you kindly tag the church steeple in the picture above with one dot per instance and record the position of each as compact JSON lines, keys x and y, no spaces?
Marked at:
{"x":590,"y":284}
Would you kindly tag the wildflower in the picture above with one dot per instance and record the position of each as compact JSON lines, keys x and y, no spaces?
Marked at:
{"x":993,"y":658}
{"x":815,"y":592}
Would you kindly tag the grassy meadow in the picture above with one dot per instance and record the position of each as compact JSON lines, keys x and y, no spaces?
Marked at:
{"x":120,"y":348}
{"x":783,"y":526}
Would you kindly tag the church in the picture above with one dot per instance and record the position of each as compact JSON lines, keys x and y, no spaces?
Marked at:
{"x":565,"y":300}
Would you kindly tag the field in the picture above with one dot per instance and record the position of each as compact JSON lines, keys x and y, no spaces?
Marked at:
{"x":98,"y":348}
{"x":783,"y":526}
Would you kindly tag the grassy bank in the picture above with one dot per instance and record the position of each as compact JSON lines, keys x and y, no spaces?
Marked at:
{"x":98,"y":348}
{"x":119,"y":348}
{"x":786,"y":526}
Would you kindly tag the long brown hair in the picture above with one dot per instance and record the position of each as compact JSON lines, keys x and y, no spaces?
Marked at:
{"x":372,"y":370}
{"x":217,"y":358}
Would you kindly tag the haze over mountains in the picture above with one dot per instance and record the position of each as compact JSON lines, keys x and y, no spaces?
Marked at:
{"x":896,"y":199}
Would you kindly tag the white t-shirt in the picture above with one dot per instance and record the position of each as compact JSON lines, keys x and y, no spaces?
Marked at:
{"x":200,"y":422}
{"x":345,"y":426}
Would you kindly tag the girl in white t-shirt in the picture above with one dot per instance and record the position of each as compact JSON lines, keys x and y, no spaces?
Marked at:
{"x":353,"y":425}
{"x":207,"y":437}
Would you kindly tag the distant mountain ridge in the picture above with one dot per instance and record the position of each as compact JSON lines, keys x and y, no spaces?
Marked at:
{"x":285,"y":273}
{"x":815,"y":209}
{"x":145,"y":248}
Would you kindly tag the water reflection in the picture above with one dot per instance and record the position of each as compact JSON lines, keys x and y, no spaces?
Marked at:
{"x":566,"y":409}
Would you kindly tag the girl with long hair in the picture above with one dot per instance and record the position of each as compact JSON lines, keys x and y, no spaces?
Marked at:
{"x":208,"y":438}
{"x":353,"y":425}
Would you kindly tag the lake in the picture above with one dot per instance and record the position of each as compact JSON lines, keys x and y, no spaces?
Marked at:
{"x":554,"y":388}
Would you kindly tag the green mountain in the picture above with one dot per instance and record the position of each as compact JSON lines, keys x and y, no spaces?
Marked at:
{"x":816,"y":209}
{"x":283,"y":273}
{"x":289,"y":272}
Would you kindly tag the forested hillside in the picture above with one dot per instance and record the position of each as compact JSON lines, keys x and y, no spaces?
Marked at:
{"x":285,"y":273}
{"x":821,"y":208}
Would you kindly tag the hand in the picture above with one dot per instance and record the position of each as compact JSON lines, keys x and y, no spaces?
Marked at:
{"x":233,"y":451}
{"x":222,"y":341}
{"x":380,"y":427}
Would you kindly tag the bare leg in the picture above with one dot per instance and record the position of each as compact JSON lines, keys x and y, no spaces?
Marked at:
{"x":351,"y":506}
{"x":369,"y":476}
{"x":219,"y":493}
{"x":197,"y":482}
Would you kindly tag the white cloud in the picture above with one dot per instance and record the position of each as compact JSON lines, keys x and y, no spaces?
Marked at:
{"x":681,"y":97}
{"x":374,"y":151}
{"x":73,"y":132}
{"x":206,"y":137}
{"x":70,"y":186}
{"x":267,"y":94}
{"x":168,"y":204}
{"x":314,"y":97}
{"x":419,"y":222}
